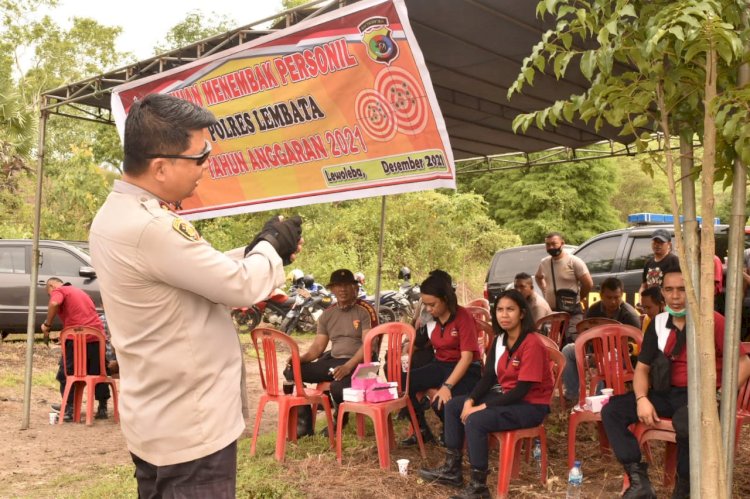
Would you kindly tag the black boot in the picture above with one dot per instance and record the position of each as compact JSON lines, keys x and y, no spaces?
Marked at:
{"x":449,"y":473}
{"x":477,"y":487}
{"x":424,"y":428}
{"x":101,"y":411}
{"x":681,"y":488}
{"x":68,"y":416}
{"x":640,"y":485}
{"x":304,"y":421}
{"x":324,"y":431}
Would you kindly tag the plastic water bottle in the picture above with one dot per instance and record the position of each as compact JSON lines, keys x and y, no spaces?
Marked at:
{"x":575,"y":478}
{"x":537,"y":453}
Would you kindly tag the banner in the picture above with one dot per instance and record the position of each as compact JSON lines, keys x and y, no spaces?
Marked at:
{"x":334,"y":108}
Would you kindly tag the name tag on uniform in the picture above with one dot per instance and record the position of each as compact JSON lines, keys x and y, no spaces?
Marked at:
{"x":515,"y":363}
{"x":454,"y":332}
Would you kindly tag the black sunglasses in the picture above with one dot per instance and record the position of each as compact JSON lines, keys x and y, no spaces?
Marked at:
{"x":198,"y":158}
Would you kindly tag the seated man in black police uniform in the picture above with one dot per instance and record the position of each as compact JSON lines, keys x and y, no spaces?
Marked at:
{"x":665,"y":334}
{"x":345,"y":325}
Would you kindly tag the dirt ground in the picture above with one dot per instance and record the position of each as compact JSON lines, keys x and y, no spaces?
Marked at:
{"x":33,"y":459}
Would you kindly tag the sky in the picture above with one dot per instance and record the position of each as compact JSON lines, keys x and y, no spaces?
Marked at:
{"x":145,"y":23}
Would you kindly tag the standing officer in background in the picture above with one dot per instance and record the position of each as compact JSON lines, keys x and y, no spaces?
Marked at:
{"x":565,"y":281}
{"x":166,"y":292}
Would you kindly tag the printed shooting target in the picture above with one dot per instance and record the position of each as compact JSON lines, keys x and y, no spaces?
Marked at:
{"x":375,"y":115}
{"x":405,"y":96}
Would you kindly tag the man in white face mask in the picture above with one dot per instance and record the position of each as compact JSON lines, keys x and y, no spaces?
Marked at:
{"x":665,"y":335}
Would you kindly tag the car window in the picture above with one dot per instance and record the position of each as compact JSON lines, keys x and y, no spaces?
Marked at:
{"x":58,"y":262}
{"x":12,"y":260}
{"x":510,"y":263}
{"x":599,"y":256}
{"x":639,"y":253}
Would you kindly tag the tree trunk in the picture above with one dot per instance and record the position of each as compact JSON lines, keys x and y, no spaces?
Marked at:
{"x":711,"y":444}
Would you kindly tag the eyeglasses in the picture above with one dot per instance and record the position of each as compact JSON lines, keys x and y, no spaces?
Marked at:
{"x":198,"y":158}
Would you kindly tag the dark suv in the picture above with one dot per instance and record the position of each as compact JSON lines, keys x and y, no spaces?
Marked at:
{"x":622,"y":253}
{"x":66,"y":260}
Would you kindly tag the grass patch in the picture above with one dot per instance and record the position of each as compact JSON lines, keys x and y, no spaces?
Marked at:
{"x":43,"y":379}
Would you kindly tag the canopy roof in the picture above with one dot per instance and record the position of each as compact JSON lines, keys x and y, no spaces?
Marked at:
{"x":473,"y":49}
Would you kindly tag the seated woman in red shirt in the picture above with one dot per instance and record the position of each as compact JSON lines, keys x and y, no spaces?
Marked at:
{"x":514,"y":392}
{"x":455,"y":368}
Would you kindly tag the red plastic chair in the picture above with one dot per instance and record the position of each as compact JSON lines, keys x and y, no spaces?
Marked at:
{"x":479,"y":302}
{"x":587,"y":324}
{"x":380,"y":412}
{"x":270,"y":379}
{"x":485,"y":336}
{"x":664,"y":431}
{"x":77,"y":335}
{"x":483,"y":314}
{"x":511,"y":441}
{"x":610,"y":363}
{"x":554,"y":325}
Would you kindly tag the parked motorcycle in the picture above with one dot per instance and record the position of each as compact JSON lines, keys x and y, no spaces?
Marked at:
{"x":287,"y":313}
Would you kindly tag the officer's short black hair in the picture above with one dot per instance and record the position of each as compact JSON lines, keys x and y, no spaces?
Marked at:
{"x":612,"y":284}
{"x":160,"y":124}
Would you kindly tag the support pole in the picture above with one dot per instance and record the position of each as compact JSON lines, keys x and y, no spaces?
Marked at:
{"x":733,"y":303}
{"x":31,"y":320}
{"x":380,"y":258}
{"x":690,"y":234}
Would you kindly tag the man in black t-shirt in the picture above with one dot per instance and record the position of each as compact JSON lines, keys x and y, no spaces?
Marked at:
{"x":662,"y":261}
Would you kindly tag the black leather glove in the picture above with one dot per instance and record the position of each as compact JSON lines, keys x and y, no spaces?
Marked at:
{"x":284,"y":236}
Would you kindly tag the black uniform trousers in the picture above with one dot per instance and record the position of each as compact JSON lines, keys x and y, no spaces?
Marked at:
{"x":213,"y":476}
{"x":92,"y":367}
{"x":433,"y":375}
{"x":480,"y":424}
{"x":621,"y":411}
{"x":317,"y":371}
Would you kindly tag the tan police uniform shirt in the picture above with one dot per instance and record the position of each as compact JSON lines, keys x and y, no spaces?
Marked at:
{"x":346,"y":327}
{"x":165,"y":292}
{"x":568,"y":273}
{"x":539,"y":307}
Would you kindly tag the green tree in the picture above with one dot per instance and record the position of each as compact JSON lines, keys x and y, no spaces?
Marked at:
{"x":571,"y":198}
{"x":424,"y":231}
{"x":673,"y":65}
{"x":195,"y":27}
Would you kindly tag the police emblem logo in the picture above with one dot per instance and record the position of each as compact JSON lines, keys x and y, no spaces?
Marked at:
{"x":186,"y":230}
{"x":376,"y":35}
{"x":356,"y":323}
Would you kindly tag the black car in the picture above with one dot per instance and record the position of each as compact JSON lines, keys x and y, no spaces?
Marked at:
{"x":622,"y":253}
{"x":62,"y":259}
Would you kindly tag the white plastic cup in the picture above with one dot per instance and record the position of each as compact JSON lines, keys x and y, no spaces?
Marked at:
{"x":53,"y":417}
{"x":608,"y":391}
{"x":404,"y":366}
{"x":403,"y":466}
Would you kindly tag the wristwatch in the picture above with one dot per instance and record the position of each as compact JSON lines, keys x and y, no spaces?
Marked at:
{"x":448,"y":386}
{"x":46,"y":325}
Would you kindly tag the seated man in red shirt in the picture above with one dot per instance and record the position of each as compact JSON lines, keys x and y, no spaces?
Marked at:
{"x":76,"y":309}
{"x":665,"y":333}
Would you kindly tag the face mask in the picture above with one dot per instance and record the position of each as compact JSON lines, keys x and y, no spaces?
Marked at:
{"x":676,"y":313}
{"x":554,"y":251}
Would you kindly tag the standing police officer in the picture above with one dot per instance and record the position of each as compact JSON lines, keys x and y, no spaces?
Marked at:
{"x":166,"y":292}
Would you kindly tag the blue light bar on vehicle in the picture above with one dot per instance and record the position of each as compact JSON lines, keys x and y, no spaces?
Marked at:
{"x":659,"y":218}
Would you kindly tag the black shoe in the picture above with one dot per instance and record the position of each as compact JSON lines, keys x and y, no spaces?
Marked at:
{"x":55,"y":407}
{"x":681,"y":488}
{"x":304,"y":421}
{"x":324,"y":431}
{"x":101,"y":411}
{"x":476,"y":488}
{"x":449,"y":473}
{"x":640,"y":485}
{"x":411,"y":441}
{"x":68,"y":417}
